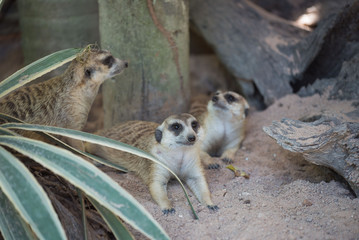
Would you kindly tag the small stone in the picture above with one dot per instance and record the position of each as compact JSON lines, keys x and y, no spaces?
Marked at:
{"x":307,"y":203}
{"x":247,"y":201}
{"x":309,"y":219}
{"x":181,"y":216}
{"x":247,"y":158}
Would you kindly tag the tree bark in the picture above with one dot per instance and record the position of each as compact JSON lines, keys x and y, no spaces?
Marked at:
{"x":51,"y":25}
{"x":327,"y":141}
{"x":153,"y":36}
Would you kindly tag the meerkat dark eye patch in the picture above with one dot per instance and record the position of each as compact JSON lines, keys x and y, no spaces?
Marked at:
{"x":108,"y":61}
{"x":230,"y":98}
{"x":176,"y":128}
{"x":88,"y":72}
{"x":195,"y":126}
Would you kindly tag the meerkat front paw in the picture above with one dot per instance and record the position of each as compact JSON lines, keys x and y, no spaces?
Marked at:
{"x":168,"y":211}
{"x":213,"y":208}
{"x":228,"y":156}
{"x":208,"y":161}
{"x":227,"y":160}
{"x":214,"y":166}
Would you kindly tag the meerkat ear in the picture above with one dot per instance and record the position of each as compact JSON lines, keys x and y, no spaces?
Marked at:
{"x":89,"y":72}
{"x":158,"y":135}
{"x":246,"y":109}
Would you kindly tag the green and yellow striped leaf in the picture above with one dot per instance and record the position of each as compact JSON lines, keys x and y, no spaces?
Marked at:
{"x":93,"y":182}
{"x":28,"y":198}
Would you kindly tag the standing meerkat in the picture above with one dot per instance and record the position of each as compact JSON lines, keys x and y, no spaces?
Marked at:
{"x":223,"y":120}
{"x":65,"y":100}
{"x":175,"y":143}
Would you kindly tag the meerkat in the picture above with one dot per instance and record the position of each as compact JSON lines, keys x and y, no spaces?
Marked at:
{"x":65,"y":100}
{"x":223,"y":120}
{"x":175,"y":143}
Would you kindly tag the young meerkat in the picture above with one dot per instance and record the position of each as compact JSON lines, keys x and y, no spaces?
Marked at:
{"x":65,"y":100}
{"x":175,"y":143}
{"x":223,"y":120}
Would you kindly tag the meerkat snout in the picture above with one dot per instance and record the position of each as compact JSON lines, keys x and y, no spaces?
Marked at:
{"x":191,"y":138}
{"x":214,"y":99}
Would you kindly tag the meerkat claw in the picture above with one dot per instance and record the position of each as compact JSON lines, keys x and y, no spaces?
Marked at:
{"x":227,"y":160}
{"x":213,"y":208}
{"x":214,"y":166}
{"x":168,"y":211}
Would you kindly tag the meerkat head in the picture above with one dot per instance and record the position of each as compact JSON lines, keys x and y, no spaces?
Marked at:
{"x":228,"y":104}
{"x":178,"y":131}
{"x":93,"y":66}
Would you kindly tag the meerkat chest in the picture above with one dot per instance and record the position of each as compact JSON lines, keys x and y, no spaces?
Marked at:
{"x":180,"y":161}
{"x":77,"y":106}
{"x":220,"y":135}
{"x":220,"y":130}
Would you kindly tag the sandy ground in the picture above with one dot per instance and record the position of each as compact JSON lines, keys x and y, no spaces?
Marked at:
{"x":284,"y":198}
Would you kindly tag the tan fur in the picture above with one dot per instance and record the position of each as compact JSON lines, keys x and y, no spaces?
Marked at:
{"x":65,"y":100}
{"x":223,"y":122}
{"x":176,"y":151}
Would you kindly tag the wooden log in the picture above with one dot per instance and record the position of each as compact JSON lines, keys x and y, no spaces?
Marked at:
{"x":254,"y":44}
{"x":340,"y":44}
{"x":345,"y":86}
{"x":327,"y":141}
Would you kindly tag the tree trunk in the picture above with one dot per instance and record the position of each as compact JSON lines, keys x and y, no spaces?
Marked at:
{"x":153,"y":36}
{"x":51,"y":25}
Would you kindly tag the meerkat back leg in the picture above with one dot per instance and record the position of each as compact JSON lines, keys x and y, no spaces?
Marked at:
{"x":208,"y":161}
{"x":228,"y":155}
{"x":196,"y":181}
{"x":158,"y":190}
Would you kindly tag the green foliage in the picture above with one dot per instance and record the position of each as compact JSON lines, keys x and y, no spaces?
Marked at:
{"x":25,"y":210}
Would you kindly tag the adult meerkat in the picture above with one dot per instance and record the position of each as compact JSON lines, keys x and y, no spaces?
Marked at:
{"x":65,"y":100}
{"x":223,"y":120}
{"x":175,"y":143}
